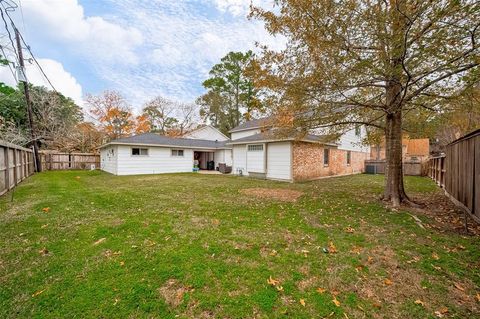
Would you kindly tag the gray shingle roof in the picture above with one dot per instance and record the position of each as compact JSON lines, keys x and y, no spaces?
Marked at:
{"x":251,"y":124}
{"x":269,"y":136}
{"x":160,"y":140}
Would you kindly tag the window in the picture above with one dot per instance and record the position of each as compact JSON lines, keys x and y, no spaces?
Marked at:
{"x":349,"y":157}
{"x":255,"y":148}
{"x":357,"y":130}
{"x":177,"y":153}
{"x":326,"y":156}
{"x":139,"y":151}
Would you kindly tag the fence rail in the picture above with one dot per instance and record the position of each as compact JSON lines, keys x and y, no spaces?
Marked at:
{"x":16,"y":164}
{"x":414,"y":168}
{"x":458,"y":172}
{"x":52,"y":160}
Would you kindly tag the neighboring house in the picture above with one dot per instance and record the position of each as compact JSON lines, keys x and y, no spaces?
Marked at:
{"x":151,"y":153}
{"x":412,"y":150}
{"x":259,"y":152}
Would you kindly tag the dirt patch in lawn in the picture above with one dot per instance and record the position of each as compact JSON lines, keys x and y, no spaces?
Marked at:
{"x":173,"y":291}
{"x":285,"y":195}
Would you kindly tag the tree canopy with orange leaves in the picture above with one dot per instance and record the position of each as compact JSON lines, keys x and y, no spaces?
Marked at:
{"x":114,"y":115}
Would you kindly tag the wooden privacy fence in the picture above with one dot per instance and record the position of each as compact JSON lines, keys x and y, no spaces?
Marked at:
{"x":53,"y":160}
{"x":458,"y":172}
{"x":16,"y":164}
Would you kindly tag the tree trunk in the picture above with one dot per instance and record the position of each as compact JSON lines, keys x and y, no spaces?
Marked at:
{"x":394,"y":188}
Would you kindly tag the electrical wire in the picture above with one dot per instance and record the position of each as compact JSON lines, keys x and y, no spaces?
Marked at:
{"x":9,"y":66}
{"x":8,"y":30}
{"x":11,"y":7}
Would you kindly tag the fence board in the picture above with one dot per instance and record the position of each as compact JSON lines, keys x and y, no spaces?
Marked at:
{"x":52,"y":160}
{"x":458,"y":172}
{"x":16,"y":164}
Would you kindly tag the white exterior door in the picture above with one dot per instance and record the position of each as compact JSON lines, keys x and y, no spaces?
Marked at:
{"x":279,"y":160}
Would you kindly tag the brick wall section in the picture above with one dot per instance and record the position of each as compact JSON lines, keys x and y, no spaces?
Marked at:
{"x":308,"y":162}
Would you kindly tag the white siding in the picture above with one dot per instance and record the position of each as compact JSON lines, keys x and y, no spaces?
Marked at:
{"x":256,"y":161}
{"x":108,"y":159}
{"x":279,"y":160}
{"x":241,"y":134}
{"x":239,"y":159}
{"x":228,"y":157}
{"x":158,"y":160}
{"x":223,"y":156}
{"x":206,"y":133}
{"x":351,"y":142}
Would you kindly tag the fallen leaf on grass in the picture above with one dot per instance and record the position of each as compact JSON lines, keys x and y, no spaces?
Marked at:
{"x":435,"y":256}
{"x":370,"y":259}
{"x":122,"y":263}
{"x":478,"y":297}
{"x":302,"y":302}
{"x":279,"y":288}
{"x":45,"y":209}
{"x":331,"y":248}
{"x":336,"y":302}
{"x":440,"y":313}
{"x":321,"y":290}
{"x":101,"y":240}
{"x":77,"y":177}
{"x":44,"y":251}
{"x":273,"y":252}
{"x":419,"y":302}
{"x":349,"y":229}
{"x":458,"y":286}
{"x":388,"y":282}
{"x":356,"y":250}
{"x":272,"y":282}
{"x":44,"y":226}
{"x":38,"y":292}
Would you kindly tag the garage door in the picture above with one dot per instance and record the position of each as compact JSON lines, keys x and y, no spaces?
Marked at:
{"x":279,"y":158}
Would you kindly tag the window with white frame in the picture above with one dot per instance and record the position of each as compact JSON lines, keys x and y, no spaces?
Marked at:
{"x":136,"y":151}
{"x":177,"y":153}
{"x":255,"y":148}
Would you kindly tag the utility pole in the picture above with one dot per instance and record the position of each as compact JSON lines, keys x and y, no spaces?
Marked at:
{"x":38,"y":165}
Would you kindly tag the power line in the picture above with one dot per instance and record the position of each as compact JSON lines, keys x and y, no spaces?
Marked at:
{"x":12,"y":7}
{"x":36,"y":62}
{"x":8,"y":30}
{"x":9,"y":66}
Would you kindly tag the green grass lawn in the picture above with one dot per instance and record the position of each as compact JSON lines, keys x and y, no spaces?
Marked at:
{"x":89,"y":244}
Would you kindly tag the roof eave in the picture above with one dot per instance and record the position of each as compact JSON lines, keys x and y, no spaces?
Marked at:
{"x":164,"y":145}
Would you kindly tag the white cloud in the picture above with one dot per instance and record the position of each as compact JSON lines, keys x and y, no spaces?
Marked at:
{"x":240,"y":7}
{"x":64,"y":21}
{"x":61,"y":79}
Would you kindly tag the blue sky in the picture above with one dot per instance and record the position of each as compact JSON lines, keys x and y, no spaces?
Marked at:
{"x":142,"y":48}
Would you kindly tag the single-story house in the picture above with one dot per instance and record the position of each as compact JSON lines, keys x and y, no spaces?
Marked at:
{"x":152,"y":153}
{"x":253,"y":150}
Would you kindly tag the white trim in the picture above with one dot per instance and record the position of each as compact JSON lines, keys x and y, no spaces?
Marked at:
{"x":204,"y":127}
{"x":279,"y":140}
{"x":162,"y":145}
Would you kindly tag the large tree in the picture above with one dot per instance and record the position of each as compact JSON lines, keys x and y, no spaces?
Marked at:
{"x":112,"y":113}
{"x":53,"y":116}
{"x":231,"y":95}
{"x":169,"y":117}
{"x":369,"y":62}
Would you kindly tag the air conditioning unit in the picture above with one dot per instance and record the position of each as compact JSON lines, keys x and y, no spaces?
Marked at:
{"x":93,"y":167}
